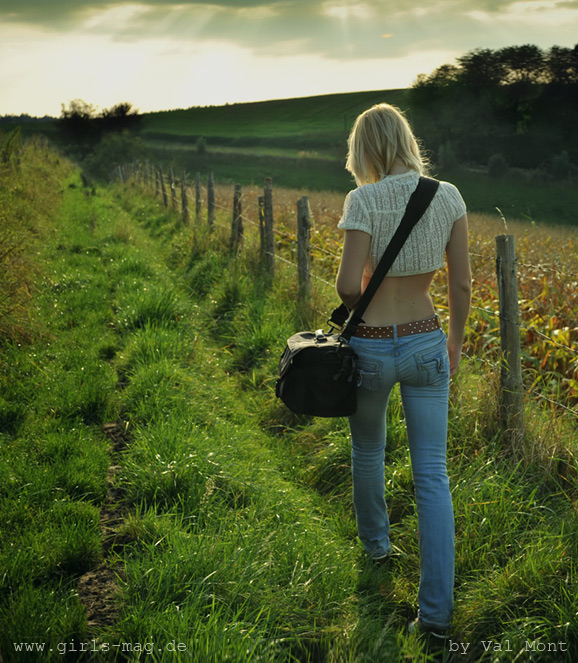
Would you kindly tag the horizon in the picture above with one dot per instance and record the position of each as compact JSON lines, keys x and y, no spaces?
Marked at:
{"x":237,"y":103}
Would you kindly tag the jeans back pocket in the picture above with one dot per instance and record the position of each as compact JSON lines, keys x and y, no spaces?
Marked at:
{"x":368,"y":374}
{"x":433,"y":366}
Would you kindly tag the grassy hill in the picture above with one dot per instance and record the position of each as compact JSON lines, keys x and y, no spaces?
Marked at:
{"x":303,"y":123}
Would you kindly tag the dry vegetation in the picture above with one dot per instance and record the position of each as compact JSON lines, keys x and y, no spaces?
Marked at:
{"x":547,"y":282}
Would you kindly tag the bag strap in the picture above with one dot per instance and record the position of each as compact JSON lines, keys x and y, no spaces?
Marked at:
{"x":418,"y":203}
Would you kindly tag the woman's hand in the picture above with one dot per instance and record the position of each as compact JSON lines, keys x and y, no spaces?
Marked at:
{"x":455,"y":354}
{"x":459,"y":289}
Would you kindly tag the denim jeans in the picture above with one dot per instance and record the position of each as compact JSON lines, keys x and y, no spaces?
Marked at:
{"x":420,"y":364}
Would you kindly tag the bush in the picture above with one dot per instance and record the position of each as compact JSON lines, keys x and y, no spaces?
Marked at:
{"x":115,"y":149}
{"x":561,"y":168}
{"x":497,"y":166}
{"x":447,"y":157}
{"x":201,"y":145}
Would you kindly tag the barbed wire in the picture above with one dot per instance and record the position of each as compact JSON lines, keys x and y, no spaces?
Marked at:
{"x":529,"y":390}
{"x":290,"y":262}
{"x":551,"y":340}
{"x":524,"y":328}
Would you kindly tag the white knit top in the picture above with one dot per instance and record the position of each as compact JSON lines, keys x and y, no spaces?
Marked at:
{"x":377,"y":209}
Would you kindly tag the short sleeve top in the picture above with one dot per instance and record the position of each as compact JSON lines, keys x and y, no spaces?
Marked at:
{"x":377,"y":209}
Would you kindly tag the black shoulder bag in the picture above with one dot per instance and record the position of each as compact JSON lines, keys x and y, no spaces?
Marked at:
{"x":317,"y":373}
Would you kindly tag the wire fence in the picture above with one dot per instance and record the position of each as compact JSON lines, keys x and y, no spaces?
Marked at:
{"x":193,"y":200}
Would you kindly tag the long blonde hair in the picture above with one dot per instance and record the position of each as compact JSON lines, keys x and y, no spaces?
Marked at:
{"x":379,"y":136}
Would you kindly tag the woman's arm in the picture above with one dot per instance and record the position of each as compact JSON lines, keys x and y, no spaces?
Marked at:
{"x":459,"y":289}
{"x":349,"y":277}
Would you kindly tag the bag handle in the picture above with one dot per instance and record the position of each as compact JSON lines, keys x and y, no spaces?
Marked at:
{"x":418,"y":203}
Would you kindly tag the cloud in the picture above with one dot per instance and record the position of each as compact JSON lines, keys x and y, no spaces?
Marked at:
{"x":334,"y":29}
{"x":67,"y":12}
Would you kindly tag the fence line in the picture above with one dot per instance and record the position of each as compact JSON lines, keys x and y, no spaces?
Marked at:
{"x":508,"y":315}
{"x":293,"y":238}
{"x":541,"y":267}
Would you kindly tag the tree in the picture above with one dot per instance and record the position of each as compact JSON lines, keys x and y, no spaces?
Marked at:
{"x":78,"y":127}
{"x":82,"y":127}
{"x":481,"y":68}
{"x":561,"y":65}
{"x":120,"y":117}
{"x":443,"y":76}
{"x":522,"y":64}
{"x":519,"y":101}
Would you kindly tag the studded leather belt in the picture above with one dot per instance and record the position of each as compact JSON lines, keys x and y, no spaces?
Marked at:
{"x":407,"y":329}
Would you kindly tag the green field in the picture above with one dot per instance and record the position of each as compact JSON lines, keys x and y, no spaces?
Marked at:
{"x":159,"y":503}
{"x":303,"y":123}
{"x":301,"y":143}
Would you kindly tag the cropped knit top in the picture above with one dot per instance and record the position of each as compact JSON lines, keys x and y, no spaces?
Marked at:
{"x":377,"y":209}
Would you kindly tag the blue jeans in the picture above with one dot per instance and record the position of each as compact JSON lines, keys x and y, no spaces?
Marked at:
{"x":420,"y":364}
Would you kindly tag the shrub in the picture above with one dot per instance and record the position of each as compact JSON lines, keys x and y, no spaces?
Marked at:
{"x":447,"y":157}
{"x":497,"y":166}
{"x":201,"y":145}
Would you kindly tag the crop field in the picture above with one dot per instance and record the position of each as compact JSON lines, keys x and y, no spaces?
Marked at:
{"x":158,"y":503}
{"x":547,"y":282}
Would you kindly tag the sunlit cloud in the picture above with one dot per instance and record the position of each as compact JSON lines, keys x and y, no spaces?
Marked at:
{"x":346,"y":11}
{"x":533,"y":13}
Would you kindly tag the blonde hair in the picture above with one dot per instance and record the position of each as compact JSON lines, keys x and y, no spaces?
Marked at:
{"x":379,"y":136}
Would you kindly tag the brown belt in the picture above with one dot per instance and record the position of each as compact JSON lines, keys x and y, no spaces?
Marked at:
{"x":407,"y":329}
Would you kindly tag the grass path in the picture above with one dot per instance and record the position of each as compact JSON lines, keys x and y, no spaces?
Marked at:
{"x":160,"y":505}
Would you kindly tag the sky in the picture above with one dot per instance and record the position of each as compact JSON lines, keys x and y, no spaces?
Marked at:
{"x":168,"y":54}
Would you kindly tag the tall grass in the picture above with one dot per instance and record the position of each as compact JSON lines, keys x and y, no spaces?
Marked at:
{"x":31,"y":176}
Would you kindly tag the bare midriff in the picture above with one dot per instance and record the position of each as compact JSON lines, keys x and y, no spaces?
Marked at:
{"x":400,"y":299}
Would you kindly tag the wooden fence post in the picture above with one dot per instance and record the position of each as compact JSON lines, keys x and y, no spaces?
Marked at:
{"x":184,"y":199}
{"x":304,"y":249}
{"x":211,"y":201}
{"x":237,"y":223}
{"x":261,"y":208}
{"x":157,"y":182}
{"x":512,"y":390}
{"x":173,"y":189}
{"x":197,"y":197}
{"x":163,"y":188}
{"x":269,"y":236}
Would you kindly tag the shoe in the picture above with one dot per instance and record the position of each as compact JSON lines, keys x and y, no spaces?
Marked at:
{"x":381,"y":561}
{"x":419,"y":629}
{"x":391,"y":553}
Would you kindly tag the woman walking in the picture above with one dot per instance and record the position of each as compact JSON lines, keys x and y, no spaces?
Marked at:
{"x":401,"y":340}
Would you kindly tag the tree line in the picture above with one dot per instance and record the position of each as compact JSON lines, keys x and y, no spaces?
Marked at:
{"x":100,"y":140}
{"x":82,"y":126}
{"x":516,"y":105}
